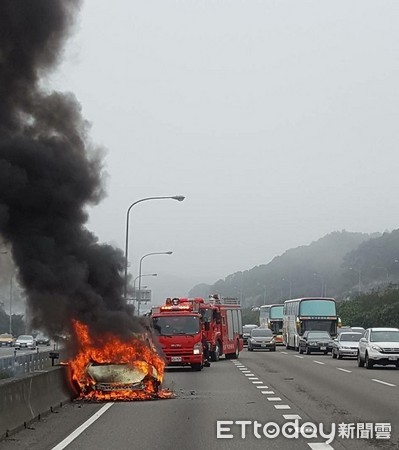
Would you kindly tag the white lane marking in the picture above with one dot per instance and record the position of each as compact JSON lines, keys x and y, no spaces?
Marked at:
{"x":274,"y":399}
{"x":267,"y":392}
{"x":318,"y":362}
{"x":82,"y":427}
{"x":292,"y":416}
{"x":344,"y":370}
{"x":262,"y":387}
{"x":384,"y":382}
{"x":284,"y":353}
{"x":297,"y":356}
{"x":282,"y":407}
{"x":257,"y":382}
{"x":249,"y":374}
{"x":320,"y":446}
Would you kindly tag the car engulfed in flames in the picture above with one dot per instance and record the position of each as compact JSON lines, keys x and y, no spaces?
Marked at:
{"x":108,"y":368}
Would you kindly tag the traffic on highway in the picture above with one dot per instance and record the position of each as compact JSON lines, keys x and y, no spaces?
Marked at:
{"x":264,"y":395}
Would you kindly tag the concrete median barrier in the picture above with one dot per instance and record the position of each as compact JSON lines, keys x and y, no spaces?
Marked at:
{"x":25,"y":399}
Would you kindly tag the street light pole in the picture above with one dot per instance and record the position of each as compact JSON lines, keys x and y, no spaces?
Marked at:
{"x":290,"y":282}
{"x":179,"y":198}
{"x":10,"y":326}
{"x":323,"y":283}
{"x":383,"y":268}
{"x":360,"y":278}
{"x":145,"y":275}
{"x":140,"y":276}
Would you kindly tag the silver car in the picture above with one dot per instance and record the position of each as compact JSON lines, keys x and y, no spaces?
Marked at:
{"x":379,"y":346}
{"x":261,"y":338}
{"x":25,"y":341}
{"x":346,"y":344}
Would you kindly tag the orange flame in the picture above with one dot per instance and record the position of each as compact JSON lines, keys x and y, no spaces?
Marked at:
{"x":109,"y":349}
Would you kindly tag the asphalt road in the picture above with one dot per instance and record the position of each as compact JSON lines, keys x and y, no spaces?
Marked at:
{"x":261,"y":386}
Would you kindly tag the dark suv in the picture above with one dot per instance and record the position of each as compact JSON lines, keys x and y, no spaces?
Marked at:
{"x":315,"y":341}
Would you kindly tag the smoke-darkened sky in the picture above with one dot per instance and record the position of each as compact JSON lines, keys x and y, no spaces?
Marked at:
{"x":278,"y":120}
{"x":49,"y":173}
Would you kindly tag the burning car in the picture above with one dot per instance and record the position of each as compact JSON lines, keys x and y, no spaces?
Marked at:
{"x":109,"y":377}
{"x":110,"y":368}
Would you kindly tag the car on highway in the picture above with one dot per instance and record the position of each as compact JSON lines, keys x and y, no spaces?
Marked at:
{"x":379,"y":346}
{"x":262,"y":339}
{"x":41,"y":339}
{"x":246,"y":332}
{"x":358,"y":330}
{"x":315,"y":341}
{"x":346,"y":344}
{"x":6,"y":340}
{"x":25,"y":341}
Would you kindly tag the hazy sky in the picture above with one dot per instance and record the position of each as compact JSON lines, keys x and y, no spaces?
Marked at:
{"x":278,"y":120}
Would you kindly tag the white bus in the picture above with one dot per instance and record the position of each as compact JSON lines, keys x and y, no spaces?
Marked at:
{"x":264,"y":315}
{"x":276,"y":322}
{"x":308,"y":313}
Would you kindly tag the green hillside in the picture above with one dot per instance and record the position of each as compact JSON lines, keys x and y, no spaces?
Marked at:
{"x":329,"y":266}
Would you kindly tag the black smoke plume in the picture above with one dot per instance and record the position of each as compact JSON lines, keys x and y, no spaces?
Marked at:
{"x":49,"y":173}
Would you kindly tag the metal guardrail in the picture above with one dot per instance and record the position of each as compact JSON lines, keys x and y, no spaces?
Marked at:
{"x":16,"y":365}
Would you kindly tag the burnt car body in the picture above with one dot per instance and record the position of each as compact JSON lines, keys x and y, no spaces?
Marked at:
{"x":315,"y":341}
{"x":115,"y":377}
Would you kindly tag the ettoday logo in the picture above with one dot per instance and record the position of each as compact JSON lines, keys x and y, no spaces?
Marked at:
{"x":230,"y":429}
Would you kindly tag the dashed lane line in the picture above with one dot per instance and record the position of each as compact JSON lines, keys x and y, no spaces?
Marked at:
{"x":383,"y":382}
{"x":255,"y":380}
{"x":344,"y":370}
{"x":292,"y":417}
{"x":320,"y":446}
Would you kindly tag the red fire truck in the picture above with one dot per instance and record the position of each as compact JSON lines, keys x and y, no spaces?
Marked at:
{"x":222,"y":323}
{"x":179,"y":328}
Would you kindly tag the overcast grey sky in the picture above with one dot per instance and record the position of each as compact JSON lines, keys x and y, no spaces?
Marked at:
{"x":278,"y":120}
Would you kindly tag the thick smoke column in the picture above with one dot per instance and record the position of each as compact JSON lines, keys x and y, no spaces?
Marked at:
{"x":48,"y":174}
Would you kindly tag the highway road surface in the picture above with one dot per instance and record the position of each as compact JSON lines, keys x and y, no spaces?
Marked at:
{"x":270,"y":389}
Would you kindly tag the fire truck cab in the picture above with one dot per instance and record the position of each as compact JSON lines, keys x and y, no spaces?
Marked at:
{"x":178,"y":327}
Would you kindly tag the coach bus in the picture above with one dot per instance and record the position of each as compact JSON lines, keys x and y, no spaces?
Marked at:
{"x":264,"y":314}
{"x":275,"y":322}
{"x":308,"y":313}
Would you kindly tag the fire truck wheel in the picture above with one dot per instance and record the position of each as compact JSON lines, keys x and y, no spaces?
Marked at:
{"x":215,"y":355}
{"x":197,"y":367}
{"x":233,"y":355}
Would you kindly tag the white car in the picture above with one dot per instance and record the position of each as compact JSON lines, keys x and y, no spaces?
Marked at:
{"x":379,"y":346}
{"x":346,"y":344}
{"x":25,"y":341}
